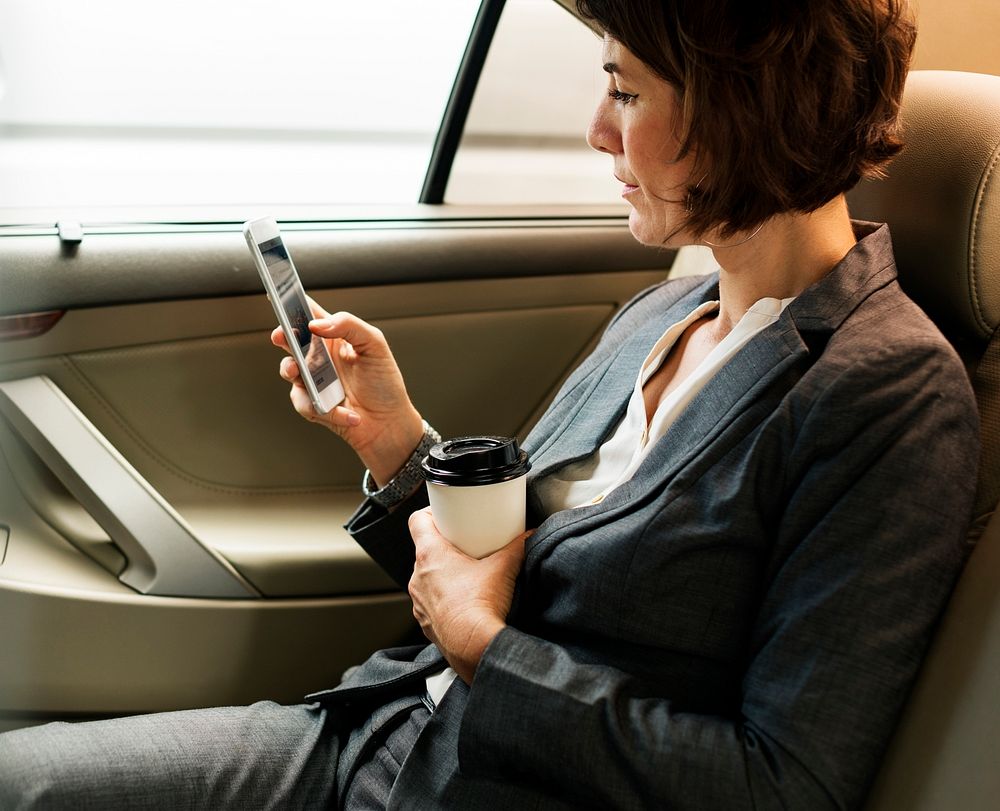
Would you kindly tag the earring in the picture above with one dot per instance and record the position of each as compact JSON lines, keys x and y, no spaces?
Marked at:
{"x":689,"y":207}
{"x":734,"y":244}
{"x":689,"y":197}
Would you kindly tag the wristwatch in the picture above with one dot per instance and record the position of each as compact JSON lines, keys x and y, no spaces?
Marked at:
{"x":401,"y":486}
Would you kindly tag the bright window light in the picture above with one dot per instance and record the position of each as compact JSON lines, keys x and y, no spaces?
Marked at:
{"x":222,"y":102}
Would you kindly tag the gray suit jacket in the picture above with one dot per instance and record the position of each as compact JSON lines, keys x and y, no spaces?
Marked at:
{"x":738,"y":625}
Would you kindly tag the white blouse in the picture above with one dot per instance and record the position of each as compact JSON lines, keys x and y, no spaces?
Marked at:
{"x":588,"y":481}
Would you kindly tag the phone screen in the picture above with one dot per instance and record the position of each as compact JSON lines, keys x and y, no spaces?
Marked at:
{"x":293,"y":302}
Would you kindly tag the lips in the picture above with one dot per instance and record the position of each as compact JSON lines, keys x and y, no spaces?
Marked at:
{"x":629,"y":187}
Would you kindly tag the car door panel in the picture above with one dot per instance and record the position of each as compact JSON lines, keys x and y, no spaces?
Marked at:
{"x":163,"y":347}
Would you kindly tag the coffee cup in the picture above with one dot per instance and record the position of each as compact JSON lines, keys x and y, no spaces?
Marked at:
{"x":476,"y":487}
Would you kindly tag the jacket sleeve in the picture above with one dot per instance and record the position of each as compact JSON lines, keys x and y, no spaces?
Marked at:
{"x":385,"y":534}
{"x":869,"y":543}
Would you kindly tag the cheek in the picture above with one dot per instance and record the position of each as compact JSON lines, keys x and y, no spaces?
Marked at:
{"x":634,"y":151}
{"x":650,"y":151}
{"x":653,"y":174}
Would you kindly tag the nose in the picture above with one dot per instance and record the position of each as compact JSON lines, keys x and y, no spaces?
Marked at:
{"x":603,"y":133}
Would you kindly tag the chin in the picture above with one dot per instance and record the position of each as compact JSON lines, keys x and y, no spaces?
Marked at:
{"x":654,"y":235}
{"x":641,"y":229}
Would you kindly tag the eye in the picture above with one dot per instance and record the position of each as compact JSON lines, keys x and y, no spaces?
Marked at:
{"x":624,"y":98}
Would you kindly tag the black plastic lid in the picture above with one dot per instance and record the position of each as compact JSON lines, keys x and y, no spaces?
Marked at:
{"x":475,"y":460}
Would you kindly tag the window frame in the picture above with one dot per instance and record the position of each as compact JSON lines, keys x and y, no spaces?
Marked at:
{"x":456,"y":111}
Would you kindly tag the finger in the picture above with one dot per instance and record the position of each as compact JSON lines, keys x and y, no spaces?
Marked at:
{"x":515,"y":549}
{"x":423,"y":530}
{"x":347,"y":353}
{"x":420,"y":522}
{"x":278,"y":338}
{"x":317,"y":310}
{"x":511,"y":555}
{"x":288,"y":370}
{"x":302,"y":403}
{"x":350,"y":328}
{"x":342,"y":417}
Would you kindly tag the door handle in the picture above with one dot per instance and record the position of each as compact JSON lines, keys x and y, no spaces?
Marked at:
{"x":164,"y":556}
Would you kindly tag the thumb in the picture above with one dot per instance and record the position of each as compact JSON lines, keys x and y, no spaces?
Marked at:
{"x":360,"y":334}
{"x":515,"y":549}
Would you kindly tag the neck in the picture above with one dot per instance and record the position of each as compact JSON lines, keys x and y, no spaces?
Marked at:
{"x":788,"y":254}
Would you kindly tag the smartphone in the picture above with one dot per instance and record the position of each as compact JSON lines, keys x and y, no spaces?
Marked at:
{"x":288,"y":298}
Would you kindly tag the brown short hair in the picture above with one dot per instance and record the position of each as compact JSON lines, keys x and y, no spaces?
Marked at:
{"x":787,"y":103}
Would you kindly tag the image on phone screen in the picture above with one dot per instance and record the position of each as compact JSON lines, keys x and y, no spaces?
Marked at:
{"x":293,"y":302}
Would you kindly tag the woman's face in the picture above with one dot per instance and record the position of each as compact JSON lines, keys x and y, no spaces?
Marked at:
{"x":637,"y":122}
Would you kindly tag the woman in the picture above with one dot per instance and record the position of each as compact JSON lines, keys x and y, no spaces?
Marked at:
{"x":713,"y":610}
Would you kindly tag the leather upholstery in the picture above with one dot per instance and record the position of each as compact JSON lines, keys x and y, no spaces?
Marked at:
{"x":942,"y":202}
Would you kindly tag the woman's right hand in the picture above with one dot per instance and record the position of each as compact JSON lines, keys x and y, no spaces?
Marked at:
{"x":376,"y":417}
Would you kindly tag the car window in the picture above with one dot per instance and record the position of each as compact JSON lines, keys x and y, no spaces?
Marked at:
{"x":112,"y":103}
{"x":525,"y":138}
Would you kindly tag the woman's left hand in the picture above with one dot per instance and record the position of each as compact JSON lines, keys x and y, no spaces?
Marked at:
{"x":461,"y":603}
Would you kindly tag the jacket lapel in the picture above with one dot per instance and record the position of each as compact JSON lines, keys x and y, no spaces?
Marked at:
{"x":771,"y":355}
{"x":574,"y":433}
{"x":734,"y":388}
{"x":769,"y":359}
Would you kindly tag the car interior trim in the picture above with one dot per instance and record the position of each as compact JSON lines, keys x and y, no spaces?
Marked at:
{"x":449,"y":134}
{"x":116,"y":268}
{"x":28,"y":325}
{"x":164,"y":556}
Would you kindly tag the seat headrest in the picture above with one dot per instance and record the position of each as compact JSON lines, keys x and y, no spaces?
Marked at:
{"x":942,"y":202}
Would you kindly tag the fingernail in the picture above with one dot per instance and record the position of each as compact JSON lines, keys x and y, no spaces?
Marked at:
{"x":353,"y":419}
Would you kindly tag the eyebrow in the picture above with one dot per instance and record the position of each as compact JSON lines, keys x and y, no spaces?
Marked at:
{"x":614,"y":69}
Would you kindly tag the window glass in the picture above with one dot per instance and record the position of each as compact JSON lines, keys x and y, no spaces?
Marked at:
{"x":124,"y":103}
{"x":525,"y":139}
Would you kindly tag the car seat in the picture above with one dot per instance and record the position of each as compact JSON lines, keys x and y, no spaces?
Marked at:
{"x":941,"y":200}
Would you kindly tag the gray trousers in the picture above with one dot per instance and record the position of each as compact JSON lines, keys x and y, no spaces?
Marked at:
{"x":258,"y":757}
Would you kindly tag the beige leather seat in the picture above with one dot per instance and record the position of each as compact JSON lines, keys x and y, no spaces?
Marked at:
{"x":942,"y":203}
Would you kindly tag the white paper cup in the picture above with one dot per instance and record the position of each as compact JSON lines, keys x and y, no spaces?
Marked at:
{"x":479,"y":520}
{"x":476,"y":488}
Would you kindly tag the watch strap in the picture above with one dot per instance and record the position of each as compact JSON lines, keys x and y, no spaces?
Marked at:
{"x":407,"y":480}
